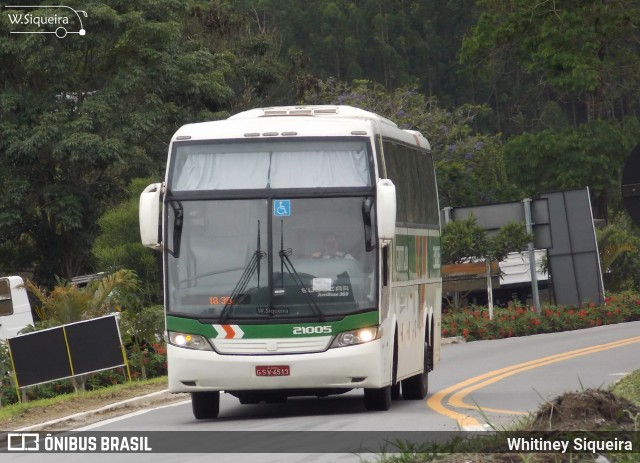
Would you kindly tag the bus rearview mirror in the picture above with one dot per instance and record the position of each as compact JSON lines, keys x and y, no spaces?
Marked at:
{"x":149,"y":216}
{"x":386,"y":199}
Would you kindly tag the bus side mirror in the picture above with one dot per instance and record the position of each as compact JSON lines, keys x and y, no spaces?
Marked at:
{"x":386,"y":201}
{"x":149,"y":216}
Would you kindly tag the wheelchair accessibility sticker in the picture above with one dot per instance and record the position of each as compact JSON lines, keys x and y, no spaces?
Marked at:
{"x":282,"y":207}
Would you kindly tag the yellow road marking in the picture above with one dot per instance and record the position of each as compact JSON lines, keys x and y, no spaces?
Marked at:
{"x":460,"y":390}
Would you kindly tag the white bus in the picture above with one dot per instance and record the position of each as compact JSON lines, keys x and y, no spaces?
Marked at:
{"x":301,"y":250}
{"x":15,"y":309}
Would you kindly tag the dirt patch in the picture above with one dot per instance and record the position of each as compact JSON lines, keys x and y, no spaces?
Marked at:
{"x":589,"y":410}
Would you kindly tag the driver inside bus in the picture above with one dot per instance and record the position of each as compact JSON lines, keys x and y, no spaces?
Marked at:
{"x":331,"y":249}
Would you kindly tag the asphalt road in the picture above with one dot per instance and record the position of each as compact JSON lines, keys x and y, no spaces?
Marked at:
{"x":476,"y":384}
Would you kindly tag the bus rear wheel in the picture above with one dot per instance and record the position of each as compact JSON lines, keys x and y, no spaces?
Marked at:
{"x":378,"y":399}
{"x":205,"y":405}
{"x":416,"y":387}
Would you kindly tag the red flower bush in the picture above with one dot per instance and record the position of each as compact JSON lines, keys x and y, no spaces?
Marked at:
{"x":519,"y":320}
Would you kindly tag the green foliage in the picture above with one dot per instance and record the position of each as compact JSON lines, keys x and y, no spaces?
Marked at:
{"x":68,"y":303}
{"x":512,"y":237}
{"x":140,"y":323}
{"x":81,"y":116}
{"x":43,"y":391}
{"x":142,"y":326}
{"x":591,"y":154}
{"x":464,"y":241}
{"x":392,"y":43}
{"x":583,"y":50}
{"x":629,"y":387}
{"x":618,"y":243}
{"x":5,"y":359}
{"x":243,"y":37}
{"x":92,"y":399}
{"x":147,"y":360}
{"x":118,"y":245}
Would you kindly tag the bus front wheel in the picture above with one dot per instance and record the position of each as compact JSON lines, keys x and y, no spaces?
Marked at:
{"x":378,"y":399}
{"x":205,"y":405}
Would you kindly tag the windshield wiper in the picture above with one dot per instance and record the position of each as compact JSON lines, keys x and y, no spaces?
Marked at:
{"x":286,"y":263}
{"x":178,"y":212}
{"x":250,"y":269}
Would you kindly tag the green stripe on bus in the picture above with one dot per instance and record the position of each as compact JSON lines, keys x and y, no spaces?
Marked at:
{"x":272,"y":330}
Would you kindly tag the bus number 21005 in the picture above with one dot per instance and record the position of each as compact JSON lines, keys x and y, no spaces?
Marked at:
{"x":311,"y":330}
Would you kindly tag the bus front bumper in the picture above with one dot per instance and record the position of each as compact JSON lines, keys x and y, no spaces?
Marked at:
{"x":358,"y":366}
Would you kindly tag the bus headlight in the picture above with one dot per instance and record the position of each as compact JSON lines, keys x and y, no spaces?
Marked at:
{"x":353,"y":337}
{"x":189,"y":341}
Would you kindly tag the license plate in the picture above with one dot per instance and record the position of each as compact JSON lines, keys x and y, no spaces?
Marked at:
{"x":273,"y":370}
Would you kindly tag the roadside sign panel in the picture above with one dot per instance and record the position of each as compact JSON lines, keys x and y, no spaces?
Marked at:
{"x":492,"y":217}
{"x":66,"y":351}
{"x":574,"y":259}
{"x":94,"y":345}
{"x":562,"y":222}
{"x":40,"y":357}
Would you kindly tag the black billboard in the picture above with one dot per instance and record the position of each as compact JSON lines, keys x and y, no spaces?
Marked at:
{"x":66,"y":351}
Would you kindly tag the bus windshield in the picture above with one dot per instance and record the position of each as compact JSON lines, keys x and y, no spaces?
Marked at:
{"x":270,"y":259}
{"x":268,"y":164}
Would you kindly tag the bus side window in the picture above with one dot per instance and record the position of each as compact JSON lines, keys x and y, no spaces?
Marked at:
{"x":6,"y":306}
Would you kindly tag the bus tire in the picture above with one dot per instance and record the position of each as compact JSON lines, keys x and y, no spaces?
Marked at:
{"x":378,"y":399}
{"x":416,"y":387}
{"x":395,"y":391}
{"x":395,"y":384}
{"x":205,"y":405}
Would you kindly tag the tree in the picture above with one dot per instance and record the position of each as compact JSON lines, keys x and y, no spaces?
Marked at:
{"x":589,"y":155}
{"x":68,"y":303}
{"x":465,"y":241}
{"x":82,"y":116}
{"x":393,"y":43}
{"x":618,"y":243}
{"x":469,"y":165}
{"x":581,"y":53}
{"x":143,"y":325}
{"x":249,"y":40}
{"x":118,"y":245}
